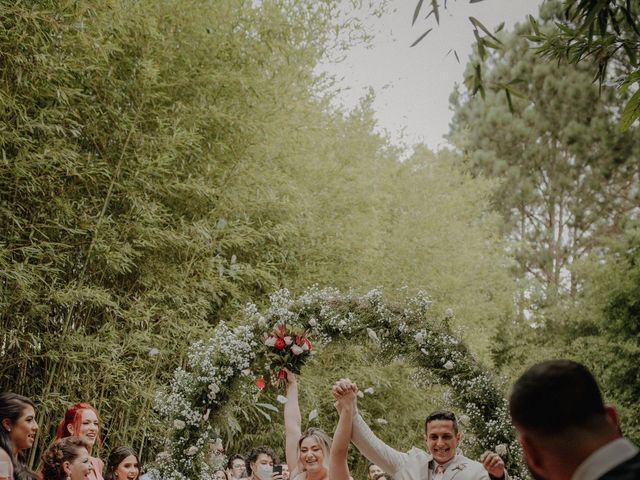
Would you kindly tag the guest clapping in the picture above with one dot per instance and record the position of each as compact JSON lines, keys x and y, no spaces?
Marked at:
{"x":82,"y":420}
{"x":18,"y":428}
{"x":67,"y":459}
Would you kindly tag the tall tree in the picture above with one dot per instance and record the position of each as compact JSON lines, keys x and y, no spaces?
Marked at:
{"x":568,"y":175}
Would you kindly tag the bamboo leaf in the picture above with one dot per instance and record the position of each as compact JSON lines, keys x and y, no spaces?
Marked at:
{"x":419,"y":39}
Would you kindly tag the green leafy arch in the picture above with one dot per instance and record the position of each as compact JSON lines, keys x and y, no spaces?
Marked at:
{"x":413,"y":331}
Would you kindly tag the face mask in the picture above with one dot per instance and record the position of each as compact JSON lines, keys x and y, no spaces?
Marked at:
{"x":263,"y":472}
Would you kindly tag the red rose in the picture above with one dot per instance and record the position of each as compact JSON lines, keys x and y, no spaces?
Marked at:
{"x":260,"y":383}
{"x":298,"y":340}
{"x":308,"y":343}
{"x":280,"y":343}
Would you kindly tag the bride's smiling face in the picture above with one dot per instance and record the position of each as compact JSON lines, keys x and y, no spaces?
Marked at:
{"x":311,"y":455}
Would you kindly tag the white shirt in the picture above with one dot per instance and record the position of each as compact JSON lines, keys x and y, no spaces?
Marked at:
{"x":604,"y":459}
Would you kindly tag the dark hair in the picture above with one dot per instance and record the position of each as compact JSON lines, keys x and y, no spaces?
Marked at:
{"x":441,"y":415}
{"x":116,"y":457}
{"x":63,"y":450}
{"x":369,"y":465}
{"x":11,"y":407}
{"x":383,"y":475}
{"x":237,"y":456}
{"x":555,"y":395}
{"x":255,"y":453}
{"x":73,"y":416}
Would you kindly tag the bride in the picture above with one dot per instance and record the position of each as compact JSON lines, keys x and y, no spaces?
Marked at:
{"x":310,"y":455}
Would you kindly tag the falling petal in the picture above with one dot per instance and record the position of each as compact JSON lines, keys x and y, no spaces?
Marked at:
{"x":360,"y":394}
{"x":372,"y":335}
{"x":313,"y":414}
{"x":381,"y":421}
{"x":369,"y":390}
{"x":282,"y":399}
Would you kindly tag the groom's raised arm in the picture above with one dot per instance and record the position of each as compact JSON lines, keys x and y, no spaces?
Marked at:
{"x":369,"y":445}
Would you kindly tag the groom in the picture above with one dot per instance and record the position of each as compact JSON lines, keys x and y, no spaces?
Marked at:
{"x":446,"y":462}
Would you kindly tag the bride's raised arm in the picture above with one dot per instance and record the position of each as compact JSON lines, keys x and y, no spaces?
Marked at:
{"x":292,"y":422}
{"x":338,"y":467}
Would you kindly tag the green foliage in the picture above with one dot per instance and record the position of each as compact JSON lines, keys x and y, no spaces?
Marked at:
{"x":599,"y":328}
{"x":163,"y":163}
{"x":568,"y":176}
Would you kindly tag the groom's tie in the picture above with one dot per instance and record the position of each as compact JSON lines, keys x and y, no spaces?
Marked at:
{"x":439,"y":472}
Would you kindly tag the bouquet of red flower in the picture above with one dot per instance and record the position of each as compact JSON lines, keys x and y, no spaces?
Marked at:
{"x":287,"y":348}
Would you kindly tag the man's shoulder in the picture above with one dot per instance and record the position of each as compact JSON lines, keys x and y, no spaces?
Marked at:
{"x":627,"y":470}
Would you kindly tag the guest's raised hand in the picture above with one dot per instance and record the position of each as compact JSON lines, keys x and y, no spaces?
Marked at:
{"x":493,"y":464}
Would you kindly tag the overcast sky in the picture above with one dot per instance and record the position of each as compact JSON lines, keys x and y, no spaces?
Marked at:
{"x":412,"y":85}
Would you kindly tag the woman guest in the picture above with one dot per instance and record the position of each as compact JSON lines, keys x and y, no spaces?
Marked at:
{"x":18,"y":428}
{"x":82,"y":420}
{"x":67,"y":459}
{"x":122,"y":464}
{"x":307,"y":453}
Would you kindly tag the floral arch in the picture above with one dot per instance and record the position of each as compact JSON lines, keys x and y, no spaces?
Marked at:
{"x":414,"y":331}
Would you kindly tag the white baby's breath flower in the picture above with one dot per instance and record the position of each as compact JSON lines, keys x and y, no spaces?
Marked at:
{"x":282,"y":399}
{"x":179,"y":424}
{"x":419,"y":338}
{"x":369,"y":390}
{"x":449,"y":365}
{"x":501,"y":449}
{"x":448,"y":313}
{"x":313,"y":414}
{"x":296,"y":350}
{"x":342,"y":324}
{"x":191,"y":451}
{"x":464,"y":419}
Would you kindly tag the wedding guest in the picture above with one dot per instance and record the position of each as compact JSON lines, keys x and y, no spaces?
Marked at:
{"x":236,"y":467}
{"x":18,"y":428}
{"x":441,"y":436}
{"x":220,"y":475}
{"x":82,"y":420}
{"x":382,"y":476}
{"x":373,"y":470}
{"x":307,"y":452}
{"x":565,"y":430}
{"x":259,"y":464}
{"x":122,"y":464}
{"x":285,"y":471}
{"x":67,"y":459}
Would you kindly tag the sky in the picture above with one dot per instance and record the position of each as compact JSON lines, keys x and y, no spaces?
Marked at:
{"x":412,"y":85}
